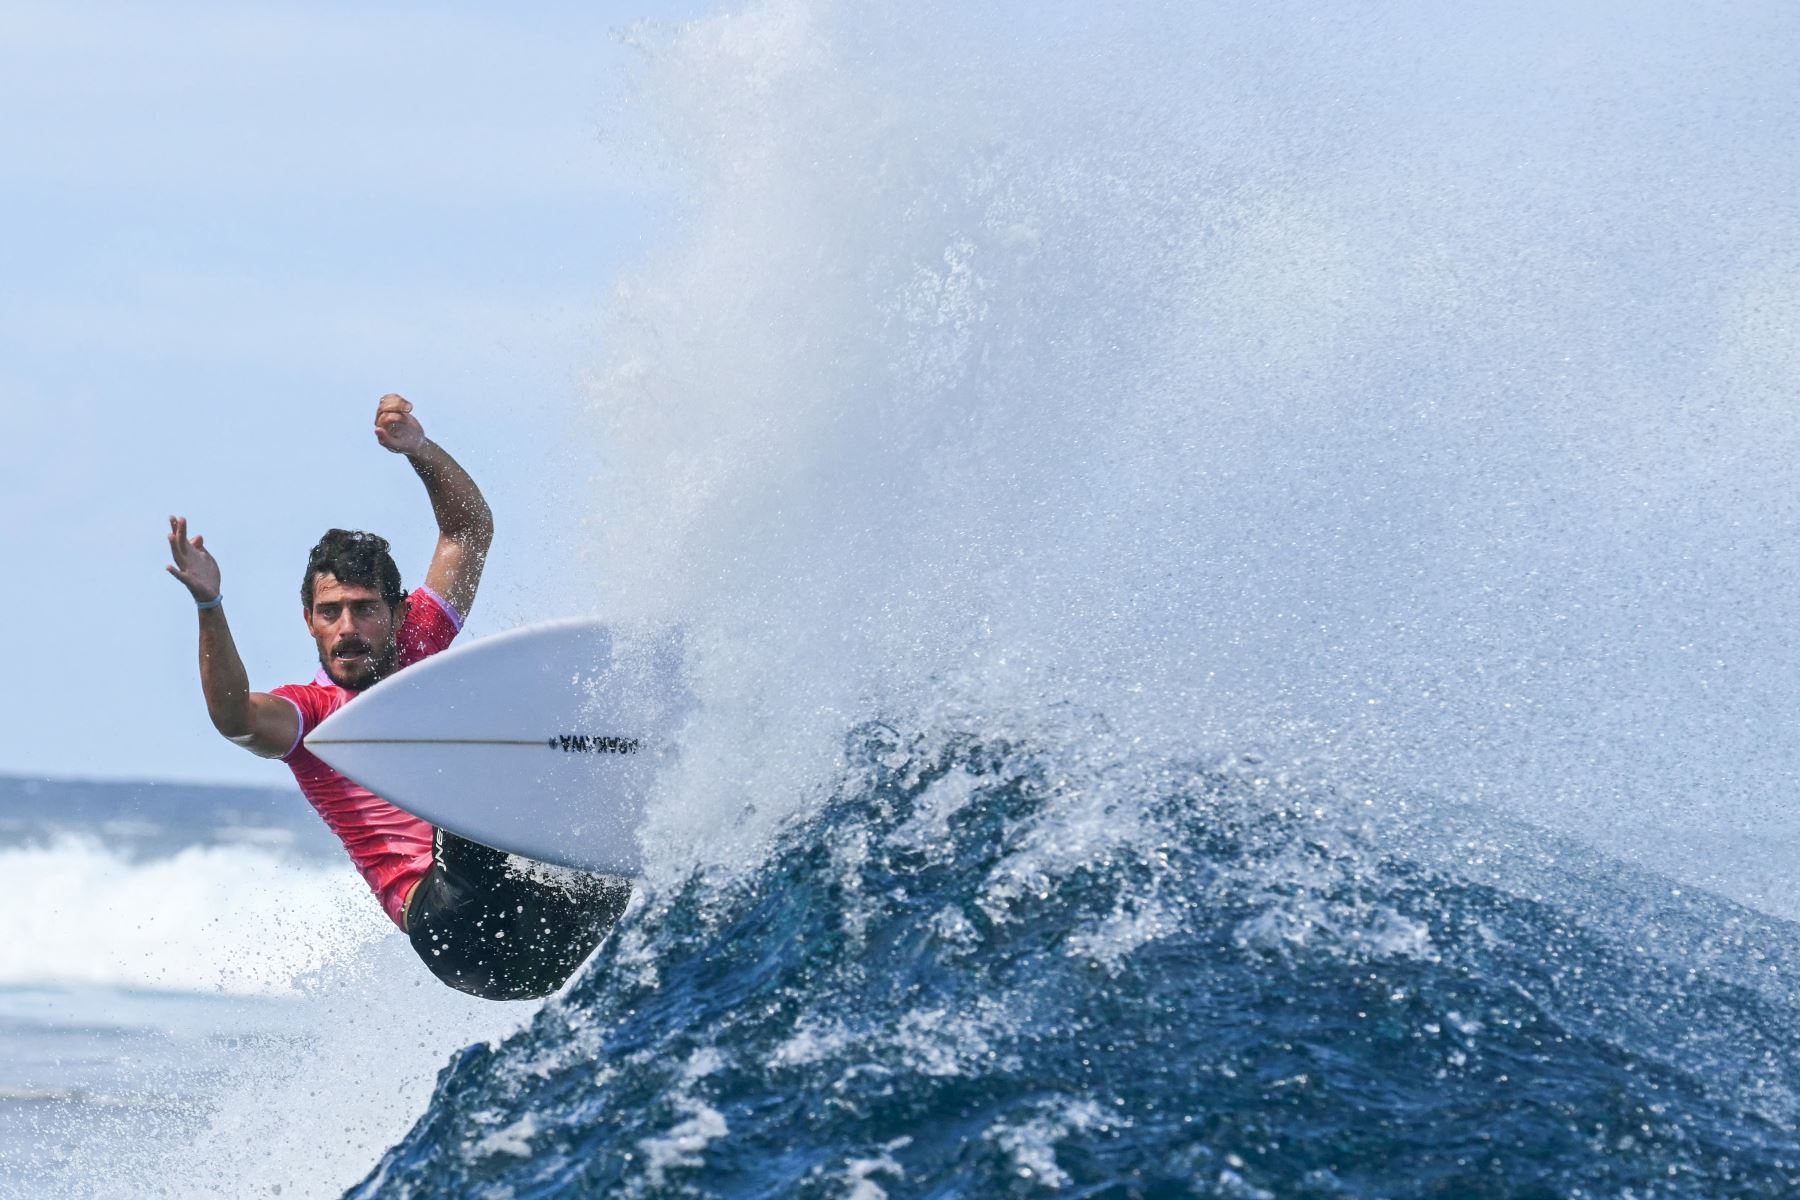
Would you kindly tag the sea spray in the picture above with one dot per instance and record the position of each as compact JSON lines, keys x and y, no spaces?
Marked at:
{"x":1399,"y":390}
{"x":1155,"y":493}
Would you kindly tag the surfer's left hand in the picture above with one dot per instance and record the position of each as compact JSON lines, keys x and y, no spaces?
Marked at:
{"x":395,"y":426}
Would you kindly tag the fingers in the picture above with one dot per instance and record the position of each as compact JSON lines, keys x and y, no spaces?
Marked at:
{"x":181,"y":546}
{"x":392,"y":403}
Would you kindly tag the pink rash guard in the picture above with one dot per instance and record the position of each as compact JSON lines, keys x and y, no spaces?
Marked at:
{"x":391,"y":848}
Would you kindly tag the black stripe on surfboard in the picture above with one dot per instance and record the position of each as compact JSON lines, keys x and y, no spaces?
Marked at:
{"x":569,"y":743}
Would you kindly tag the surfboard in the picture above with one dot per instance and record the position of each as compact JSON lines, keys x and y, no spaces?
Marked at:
{"x":542,"y":741}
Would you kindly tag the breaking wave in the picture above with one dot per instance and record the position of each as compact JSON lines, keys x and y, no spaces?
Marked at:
{"x":974,"y":973}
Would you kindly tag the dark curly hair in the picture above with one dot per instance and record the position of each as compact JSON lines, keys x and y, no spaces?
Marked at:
{"x":356,"y":558}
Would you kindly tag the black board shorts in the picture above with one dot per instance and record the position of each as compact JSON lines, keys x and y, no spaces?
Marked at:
{"x":506,"y":928}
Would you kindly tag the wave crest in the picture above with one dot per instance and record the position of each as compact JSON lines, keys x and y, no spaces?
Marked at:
{"x":975,"y":967}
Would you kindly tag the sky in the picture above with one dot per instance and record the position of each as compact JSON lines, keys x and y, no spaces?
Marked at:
{"x":229,"y":230}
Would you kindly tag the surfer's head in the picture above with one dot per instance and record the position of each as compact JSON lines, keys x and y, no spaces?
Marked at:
{"x":354,"y":606}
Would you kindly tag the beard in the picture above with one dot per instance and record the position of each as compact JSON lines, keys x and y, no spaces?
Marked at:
{"x":363,"y":674}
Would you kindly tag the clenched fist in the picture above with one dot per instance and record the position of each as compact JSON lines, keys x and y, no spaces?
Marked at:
{"x":395,"y":426}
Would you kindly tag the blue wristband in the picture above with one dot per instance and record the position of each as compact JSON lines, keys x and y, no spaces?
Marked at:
{"x":217,"y":600}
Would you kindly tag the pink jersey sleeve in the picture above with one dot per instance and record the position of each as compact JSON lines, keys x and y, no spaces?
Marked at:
{"x":310,"y":702}
{"x":431,"y":625}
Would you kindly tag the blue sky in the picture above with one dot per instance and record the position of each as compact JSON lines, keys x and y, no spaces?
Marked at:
{"x":229,"y":230}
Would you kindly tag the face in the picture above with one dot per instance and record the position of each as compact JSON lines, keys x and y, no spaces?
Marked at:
{"x":355,"y":630}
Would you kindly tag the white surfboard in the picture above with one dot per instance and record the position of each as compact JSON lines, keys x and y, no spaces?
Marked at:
{"x":541,"y":741}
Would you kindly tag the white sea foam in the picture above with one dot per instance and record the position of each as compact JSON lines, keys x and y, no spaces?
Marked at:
{"x":859,"y":1173}
{"x":238,"y":919}
{"x":320,"y":1084}
{"x":308,"y":1110}
{"x":683,"y":1145}
{"x":813,"y":1039}
{"x":929,"y":828}
{"x":1113,"y":940}
{"x":1031,"y":1144}
{"x":939,"y":1042}
{"x":513,"y":1139}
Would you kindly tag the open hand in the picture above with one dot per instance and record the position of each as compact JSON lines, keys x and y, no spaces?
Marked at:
{"x":194,"y":565}
{"x":395,"y":426}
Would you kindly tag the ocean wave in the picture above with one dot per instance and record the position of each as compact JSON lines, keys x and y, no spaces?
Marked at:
{"x":1231,"y":984}
{"x":233,"y":919}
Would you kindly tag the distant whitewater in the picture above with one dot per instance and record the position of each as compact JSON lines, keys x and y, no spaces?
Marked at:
{"x":170,"y":887}
{"x":184,"y":966}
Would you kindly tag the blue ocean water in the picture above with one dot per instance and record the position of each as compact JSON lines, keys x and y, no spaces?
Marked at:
{"x":925,"y":990}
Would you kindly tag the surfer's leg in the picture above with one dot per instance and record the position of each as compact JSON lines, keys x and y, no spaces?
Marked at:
{"x":505,"y":928}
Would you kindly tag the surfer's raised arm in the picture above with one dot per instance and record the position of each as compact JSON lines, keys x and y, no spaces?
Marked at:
{"x":260,"y":723}
{"x":465,"y":525}
{"x":478,"y":925}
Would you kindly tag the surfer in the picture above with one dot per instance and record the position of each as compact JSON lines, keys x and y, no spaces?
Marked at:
{"x":484,"y":922}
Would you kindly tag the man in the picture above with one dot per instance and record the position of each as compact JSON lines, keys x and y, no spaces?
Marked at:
{"x":482,"y":921}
